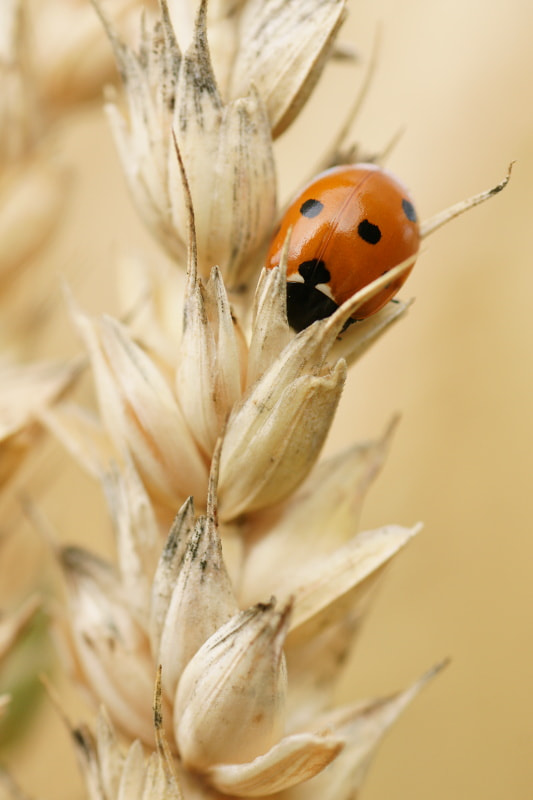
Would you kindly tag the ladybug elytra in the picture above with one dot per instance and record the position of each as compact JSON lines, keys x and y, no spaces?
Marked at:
{"x":350,"y":225}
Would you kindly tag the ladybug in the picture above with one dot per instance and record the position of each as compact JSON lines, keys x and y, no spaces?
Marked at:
{"x":350,"y":225}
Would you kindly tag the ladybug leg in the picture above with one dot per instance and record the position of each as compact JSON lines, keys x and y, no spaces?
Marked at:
{"x":347,"y":324}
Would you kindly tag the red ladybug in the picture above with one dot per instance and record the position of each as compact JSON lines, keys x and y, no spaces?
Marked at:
{"x":351,"y":224}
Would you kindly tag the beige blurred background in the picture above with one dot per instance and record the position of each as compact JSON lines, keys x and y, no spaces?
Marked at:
{"x":457,"y":77}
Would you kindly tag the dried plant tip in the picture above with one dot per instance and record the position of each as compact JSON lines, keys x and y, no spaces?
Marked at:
{"x":362,"y":728}
{"x":234,"y":201}
{"x":324,"y":582}
{"x":432,"y":224}
{"x":295,"y":760}
{"x":167,"y":570}
{"x":275,"y":434}
{"x":202,"y":600}
{"x":209,"y":373}
{"x":357,"y":339}
{"x":270,"y":328}
{"x":144,"y":142}
{"x":167,"y":771}
{"x":274,"y":437}
{"x":177,"y":124}
{"x":230,"y":700}
{"x":335,"y":323}
{"x":137,"y":536}
{"x":141,"y":413}
{"x":109,"y":774}
{"x":109,"y":643}
{"x":284,"y":48}
{"x":322,"y":516}
{"x":212,"y":499}
{"x":192,"y":244}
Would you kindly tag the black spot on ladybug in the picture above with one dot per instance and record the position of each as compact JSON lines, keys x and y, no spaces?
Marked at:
{"x":311,"y":208}
{"x":369,"y":232}
{"x":314,"y":272}
{"x":305,"y":305}
{"x":409,"y":210}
